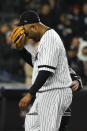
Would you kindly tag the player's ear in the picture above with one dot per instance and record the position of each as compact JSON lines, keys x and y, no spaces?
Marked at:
{"x":34,"y":27}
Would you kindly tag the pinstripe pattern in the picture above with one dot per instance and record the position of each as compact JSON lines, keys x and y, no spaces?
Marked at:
{"x":55,"y":96}
{"x":47,"y":110}
{"x":52,"y":57}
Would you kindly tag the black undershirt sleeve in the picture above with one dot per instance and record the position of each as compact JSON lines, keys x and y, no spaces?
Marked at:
{"x":39,"y":82}
{"x":26,"y":56}
{"x":76,"y":77}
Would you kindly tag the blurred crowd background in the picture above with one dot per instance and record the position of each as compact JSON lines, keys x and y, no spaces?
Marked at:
{"x":67,"y":17}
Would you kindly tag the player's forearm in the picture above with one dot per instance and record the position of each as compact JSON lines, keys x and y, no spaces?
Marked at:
{"x":26,"y":56}
{"x":39,"y":82}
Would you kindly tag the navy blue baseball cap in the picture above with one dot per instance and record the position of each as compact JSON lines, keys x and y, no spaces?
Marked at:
{"x":29,"y":17}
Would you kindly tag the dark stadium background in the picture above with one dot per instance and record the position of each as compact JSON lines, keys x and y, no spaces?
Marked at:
{"x":69,"y":19}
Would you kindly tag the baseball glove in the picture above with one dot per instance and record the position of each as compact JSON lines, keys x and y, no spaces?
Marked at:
{"x":18,"y":37}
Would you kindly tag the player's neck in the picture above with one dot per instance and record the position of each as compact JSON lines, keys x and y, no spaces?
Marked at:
{"x":43,"y":29}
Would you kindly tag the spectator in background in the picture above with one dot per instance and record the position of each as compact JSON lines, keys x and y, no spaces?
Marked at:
{"x":74,"y":16}
{"x":83,"y":22}
{"x":29,"y":5}
{"x":46,"y":15}
{"x":75,"y":42}
{"x":52,"y":4}
{"x":10,"y":69}
{"x":4,"y":28}
{"x":3,"y":49}
{"x":60,"y":24}
{"x":13,"y":23}
{"x":54,"y":12}
{"x":76,"y":13}
{"x":68,"y":32}
{"x":65,"y":29}
{"x":82,"y":50}
{"x":74,"y":62}
{"x":82,"y":55}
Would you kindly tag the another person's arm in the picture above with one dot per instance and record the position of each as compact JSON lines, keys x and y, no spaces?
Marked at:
{"x":77,"y":82}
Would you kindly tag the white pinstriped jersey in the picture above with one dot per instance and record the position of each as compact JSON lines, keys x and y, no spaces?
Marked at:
{"x":51,"y":56}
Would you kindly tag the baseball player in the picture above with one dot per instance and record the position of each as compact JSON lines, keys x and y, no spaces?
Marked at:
{"x":76,"y":86}
{"x":51,"y":78}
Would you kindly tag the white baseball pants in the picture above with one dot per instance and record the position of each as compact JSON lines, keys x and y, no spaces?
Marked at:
{"x":48,"y":109}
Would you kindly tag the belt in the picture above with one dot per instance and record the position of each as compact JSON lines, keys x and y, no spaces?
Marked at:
{"x":52,"y":89}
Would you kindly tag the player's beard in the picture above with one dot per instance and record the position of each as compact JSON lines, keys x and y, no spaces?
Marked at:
{"x":36,"y":37}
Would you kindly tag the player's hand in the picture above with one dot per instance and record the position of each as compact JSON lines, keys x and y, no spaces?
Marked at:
{"x":75,"y":85}
{"x":25,"y":101}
